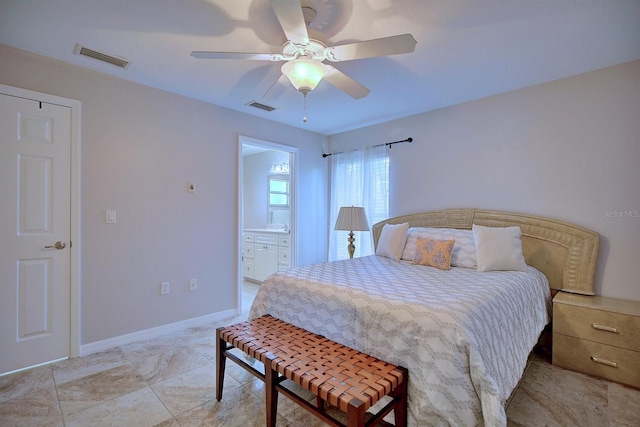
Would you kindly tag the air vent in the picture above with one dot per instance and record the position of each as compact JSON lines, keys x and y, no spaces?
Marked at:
{"x":261,"y":106}
{"x":84,"y":51}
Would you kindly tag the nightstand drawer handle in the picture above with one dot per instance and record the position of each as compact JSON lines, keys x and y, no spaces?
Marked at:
{"x":604,"y":362}
{"x":605,"y":328}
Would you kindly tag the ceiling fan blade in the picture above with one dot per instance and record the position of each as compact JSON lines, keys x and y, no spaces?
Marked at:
{"x":289,"y":14}
{"x":393,"y":45}
{"x":345,"y":83}
{"x":237,"y":55}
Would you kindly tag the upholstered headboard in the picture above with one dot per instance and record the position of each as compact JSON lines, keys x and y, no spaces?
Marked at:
{"x":564,"y":252}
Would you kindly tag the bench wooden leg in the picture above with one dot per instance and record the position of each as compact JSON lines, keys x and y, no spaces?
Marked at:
{"x":355,"y":413}
{"x":270,"y":382}
{"x":221,"y":347}
{"x":400,"y":409}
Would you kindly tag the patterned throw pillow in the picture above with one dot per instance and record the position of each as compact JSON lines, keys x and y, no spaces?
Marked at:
{"x":434,"y":253}
{"x":464,"y":250}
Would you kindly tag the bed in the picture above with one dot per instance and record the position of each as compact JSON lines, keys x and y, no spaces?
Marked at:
{"x":465,"y":335}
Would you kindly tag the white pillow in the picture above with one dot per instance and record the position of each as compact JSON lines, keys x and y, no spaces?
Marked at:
{"x":499,"y":248}
{"x":464,"y":250}
{"x":392,"y":240}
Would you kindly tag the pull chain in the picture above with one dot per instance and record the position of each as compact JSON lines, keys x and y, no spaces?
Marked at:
{"x":304,"y":117}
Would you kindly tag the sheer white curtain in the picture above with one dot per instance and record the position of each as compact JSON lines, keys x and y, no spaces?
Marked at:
{"x":358,"y":178}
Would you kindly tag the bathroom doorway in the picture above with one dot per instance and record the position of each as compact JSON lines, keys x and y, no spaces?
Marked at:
{"x":267,"y":212}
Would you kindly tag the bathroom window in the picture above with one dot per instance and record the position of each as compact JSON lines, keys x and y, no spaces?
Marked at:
{"x":278,"y":192}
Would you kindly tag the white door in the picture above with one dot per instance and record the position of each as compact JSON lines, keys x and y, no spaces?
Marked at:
{"x":35,"y":229}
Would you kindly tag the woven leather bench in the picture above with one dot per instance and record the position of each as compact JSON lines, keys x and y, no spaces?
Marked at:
{"x":345,"y":378}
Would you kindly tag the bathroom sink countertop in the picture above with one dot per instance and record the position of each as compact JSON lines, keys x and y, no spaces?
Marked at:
{"x":268,"y":230}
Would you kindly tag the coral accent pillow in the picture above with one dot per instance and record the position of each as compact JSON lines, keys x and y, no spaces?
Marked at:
{"x":464,"y":251}
{"x":434,"y":253}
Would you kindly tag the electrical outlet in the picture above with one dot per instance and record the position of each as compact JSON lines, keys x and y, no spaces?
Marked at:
{"x":193,"y":284}
{"x":164,"y":288}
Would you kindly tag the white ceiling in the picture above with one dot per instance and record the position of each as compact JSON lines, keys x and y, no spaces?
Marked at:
{"x":466,"y":49}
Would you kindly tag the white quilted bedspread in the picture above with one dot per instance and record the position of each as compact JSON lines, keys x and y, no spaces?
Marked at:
{"x":464,"y":335}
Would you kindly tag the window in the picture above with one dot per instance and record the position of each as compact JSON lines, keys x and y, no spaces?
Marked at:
{"x":278,"y":196}
{"x":278,"y":191}
{"x":358,"y":178}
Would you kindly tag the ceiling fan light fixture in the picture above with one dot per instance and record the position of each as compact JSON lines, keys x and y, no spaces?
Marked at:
{"x":304,"y":74}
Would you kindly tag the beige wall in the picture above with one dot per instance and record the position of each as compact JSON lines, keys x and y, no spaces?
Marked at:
{"x":569,"y":150}
{"x":140,"y":146}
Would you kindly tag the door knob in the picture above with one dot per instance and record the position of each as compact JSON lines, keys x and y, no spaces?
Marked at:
{"x":58,"y":245}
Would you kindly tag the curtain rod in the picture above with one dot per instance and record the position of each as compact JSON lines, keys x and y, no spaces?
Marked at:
{"x":388,"y":144}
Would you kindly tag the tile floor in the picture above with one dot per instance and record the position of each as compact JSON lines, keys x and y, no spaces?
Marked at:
{"x":169,"y":381}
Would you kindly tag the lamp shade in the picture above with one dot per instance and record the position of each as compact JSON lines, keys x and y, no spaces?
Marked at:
{"x":304,"y":74}
{"x":352,"y":219}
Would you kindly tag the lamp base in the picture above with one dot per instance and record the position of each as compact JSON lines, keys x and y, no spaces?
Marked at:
{"x":351,"y":247}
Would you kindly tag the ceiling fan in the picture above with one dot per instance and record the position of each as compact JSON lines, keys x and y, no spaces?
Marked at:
{"x":304,"y":57}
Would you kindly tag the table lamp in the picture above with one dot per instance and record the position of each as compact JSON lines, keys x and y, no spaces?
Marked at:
{"x":352,"y":219}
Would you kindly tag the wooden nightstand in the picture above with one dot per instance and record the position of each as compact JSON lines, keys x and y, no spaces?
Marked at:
{"x":597,"y":336}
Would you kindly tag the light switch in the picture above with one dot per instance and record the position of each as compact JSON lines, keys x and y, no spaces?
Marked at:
{"x":111,"y":217}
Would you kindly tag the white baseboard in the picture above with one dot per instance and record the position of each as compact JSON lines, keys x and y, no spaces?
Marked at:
{"x":97,"y":346}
